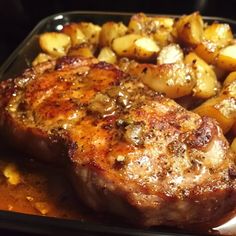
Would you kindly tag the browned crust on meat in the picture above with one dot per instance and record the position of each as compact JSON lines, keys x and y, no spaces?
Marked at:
{"x":129,"y":150}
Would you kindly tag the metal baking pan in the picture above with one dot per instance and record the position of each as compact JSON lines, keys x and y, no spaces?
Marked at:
{"x":20,"y":59}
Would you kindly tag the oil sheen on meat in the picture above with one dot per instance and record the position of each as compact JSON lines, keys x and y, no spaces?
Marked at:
{"x":128,"y":150}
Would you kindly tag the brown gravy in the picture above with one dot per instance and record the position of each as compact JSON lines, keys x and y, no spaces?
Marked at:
{"x":38,"y":192}
{"x":45,"y":190}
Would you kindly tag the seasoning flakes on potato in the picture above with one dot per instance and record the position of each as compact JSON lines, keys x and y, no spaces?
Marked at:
{"x":223,"y":106}
{"x":206,"y":81}
{"x":184,"y":58}
{"x":54,"y":43}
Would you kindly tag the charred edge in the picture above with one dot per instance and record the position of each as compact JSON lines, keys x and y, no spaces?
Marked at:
{"x":203,"y":135}
{"x":94,"y":166}
{"x":106,"y":66}
{"x":71,"y":60}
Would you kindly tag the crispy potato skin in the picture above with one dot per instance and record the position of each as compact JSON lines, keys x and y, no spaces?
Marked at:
{"x":54,"y":43}
{"x":81,"y":50}
{"x":223,"y":106}
{"x":207,"y":50}
{"x":83,"y":32}
{"x":219,"y":34}
{"x":135,"y":46}
{"x":107,"y":55}
{"x":110,"y":31}
{"x":206,"y":81}
{"x":226,"y":58}
{"x":171,"y":53}
{"x":174,"y":79}
{"x":215,"y":37}
{"x":189,"y":29}
{"x":74,"y":32}
{"x":157,"y":28}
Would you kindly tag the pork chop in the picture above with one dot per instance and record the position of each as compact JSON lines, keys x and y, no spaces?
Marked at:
{"x":128,"y":150}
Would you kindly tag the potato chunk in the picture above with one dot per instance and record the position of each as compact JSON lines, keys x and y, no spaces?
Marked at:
{"x":227,"y":58}
{"x":124,"y":46}
{"x":91,"y":32}
{"x":55,"y":44}
{"x":230,"y":85}
{"x":223,"y":106}
{"x":42,"y":57}
{"x":143,"y":24}
{"x":171,"y":53}
{"x":215,"y":37}
{"x":81,"y":50}
{"x":135,"y":46}
{"x":107,"y":55}
{"x":12,"y":174}
{"x":207,"y":50}
{"x":220,"y":34}
{"x":175,"y":80}
{"x":76,"y":35}
{"x":233,"y":145}
{"x":110,"y":31}
{"x":189,"y":29}
{"x":158,"y":28}
{"x":206,"y":81}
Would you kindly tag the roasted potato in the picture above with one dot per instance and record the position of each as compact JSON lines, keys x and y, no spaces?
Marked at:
{"x":81,"y":50}
{"x":206,"y":81}
{"x":12,"y":174}
{"x":135,"y":46}
{"x":42,"y":57}
{"x":91,"y":32}
{"x":223,"y":106}
{"x":171,"y":53}
{"x":215,"y":37}
{"x":55,"y":44}
{"x":163,"y":35}
{"x":207,"y":50}
{"x":76,"y":35}
{"x":110,"y":31}
{"x":158,"y":28}
{"x":230,"y":84}
{"x":107,"y":55}
{"x":226,"y":58}
{"x":145,"y":25}
{"x":138,"y":24}
{"x":189,"y":29}
{"x":233,"y":145}
{"x":175,"y":80}
{"x":220,"y":34}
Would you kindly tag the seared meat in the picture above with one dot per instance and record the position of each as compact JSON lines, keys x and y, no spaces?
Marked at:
{"x":128,"y":150}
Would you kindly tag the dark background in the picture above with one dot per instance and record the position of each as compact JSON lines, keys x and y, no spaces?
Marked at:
{"x":18,"y":17}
